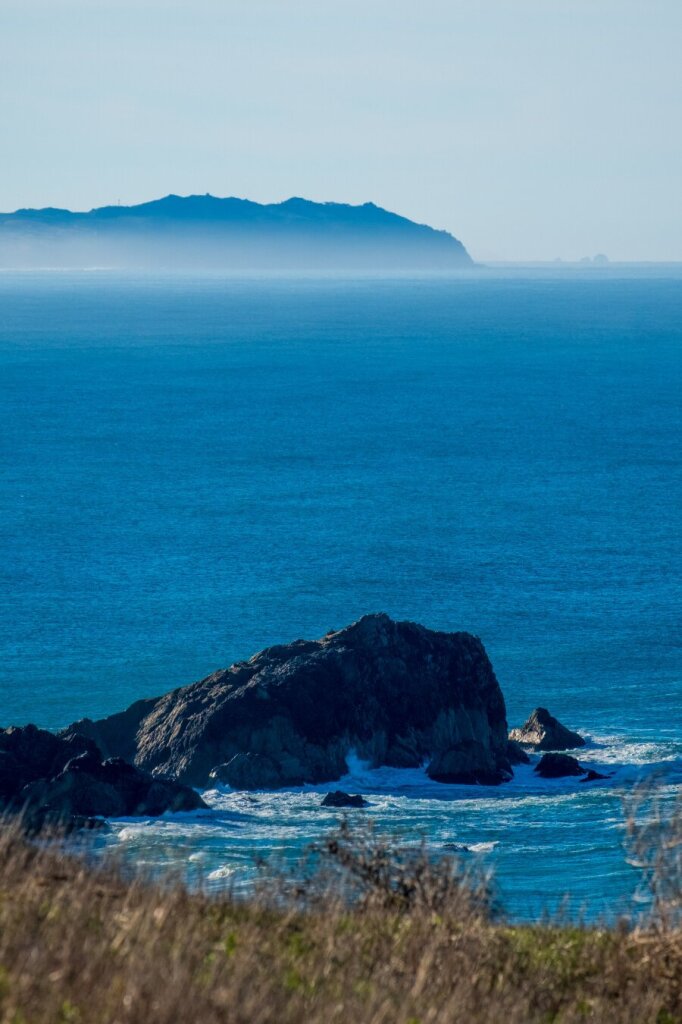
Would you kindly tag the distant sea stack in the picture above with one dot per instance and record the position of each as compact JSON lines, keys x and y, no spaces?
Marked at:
{"x":395,"y":693}
{"x":205,"y":232}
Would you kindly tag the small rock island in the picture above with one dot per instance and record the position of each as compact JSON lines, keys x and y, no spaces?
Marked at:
{"x":395,"y":693}
{"x":543,"y":732}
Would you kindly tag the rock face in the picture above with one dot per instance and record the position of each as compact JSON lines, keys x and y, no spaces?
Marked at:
{"x":340,"y":799}
{"x":248,"y":771}
{"x":394,"y":692}
{"x":558,"y":766}
{"x":64,"y":781}
{"x":543,"y":731}
{"x":28,"y":754}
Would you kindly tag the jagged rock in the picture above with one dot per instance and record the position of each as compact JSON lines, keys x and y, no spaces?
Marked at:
{"x":51,"y":780}
{"x":340,"y":799}
{"x":557,"y":766}
{"x":28,"y":753}
{"x":594,"y":776}
{"x":516,"y":753}
{"x":395,"y":692}
{"x":109,"y":789}
{"x":543,"y":731}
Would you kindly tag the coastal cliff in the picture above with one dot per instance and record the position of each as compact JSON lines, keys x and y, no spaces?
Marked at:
{"x":396,"y":693}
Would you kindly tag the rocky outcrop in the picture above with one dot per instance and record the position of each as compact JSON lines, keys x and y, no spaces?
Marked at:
{"x":340,"y":799}
{"x":543,"y":731}
{"x":558,"y":766}
{"x":51,"y":780}
{"x":29,"y":753}
{"x":395,"y":692}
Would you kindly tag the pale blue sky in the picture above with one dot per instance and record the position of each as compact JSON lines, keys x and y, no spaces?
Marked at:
{"x":528,"y":128}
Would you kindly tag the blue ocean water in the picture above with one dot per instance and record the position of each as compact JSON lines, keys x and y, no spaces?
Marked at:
{"x":194,"y":467}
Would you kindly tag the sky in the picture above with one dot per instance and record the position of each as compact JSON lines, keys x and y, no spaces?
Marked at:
{"x":530,"y":129}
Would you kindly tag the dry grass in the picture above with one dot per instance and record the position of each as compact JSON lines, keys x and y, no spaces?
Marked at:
{"x":411,"y":942}
{"x":654,"y":847}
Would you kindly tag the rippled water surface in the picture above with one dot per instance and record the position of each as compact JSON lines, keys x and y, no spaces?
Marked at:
{"x":193,"y":468}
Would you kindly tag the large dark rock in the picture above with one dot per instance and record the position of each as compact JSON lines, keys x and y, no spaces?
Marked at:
{"x":56,"y":780}
{"x":340,"y":799}
{"x":558,"y":766}
{"x":468,"y":761}
{"x":543,"y":731}
{"x":28,"y":753}
{"x":516,"y":753}
{"x":396,"y":693}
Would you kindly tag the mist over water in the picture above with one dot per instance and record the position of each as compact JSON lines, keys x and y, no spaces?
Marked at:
{"x":189,"y":250}
{"x":193,"y":467}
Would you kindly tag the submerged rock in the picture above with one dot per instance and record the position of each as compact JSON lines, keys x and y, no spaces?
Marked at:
{"x":594,"y":776}
{"x":340,"y":799}
{"x":543,"y":731}
{"x":51,"y":780}
{"x":395,"y":692}
{"x":557,"y":766}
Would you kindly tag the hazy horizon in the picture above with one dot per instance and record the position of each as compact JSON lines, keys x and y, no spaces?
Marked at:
{"x":89,"y":257}
{"x":529,"y":131}
{"x":596,"y":259}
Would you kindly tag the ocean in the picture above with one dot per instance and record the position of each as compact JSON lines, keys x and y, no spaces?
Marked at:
{"x":194,"y":467}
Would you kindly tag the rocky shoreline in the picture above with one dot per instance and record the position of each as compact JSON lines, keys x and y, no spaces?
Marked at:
{"x":50,"y":780}
{"x":396,"y":693}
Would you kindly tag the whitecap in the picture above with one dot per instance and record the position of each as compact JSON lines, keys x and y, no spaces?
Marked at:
{"x":224,"y":872}
{"x":130,"y":833}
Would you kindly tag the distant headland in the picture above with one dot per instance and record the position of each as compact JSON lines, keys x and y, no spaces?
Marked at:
{"x":207,"y":232}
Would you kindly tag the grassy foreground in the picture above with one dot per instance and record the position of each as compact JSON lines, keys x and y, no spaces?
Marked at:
{"x":84,"y":945}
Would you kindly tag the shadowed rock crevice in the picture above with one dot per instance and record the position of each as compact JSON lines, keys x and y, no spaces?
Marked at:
{"x":396,"y":693}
